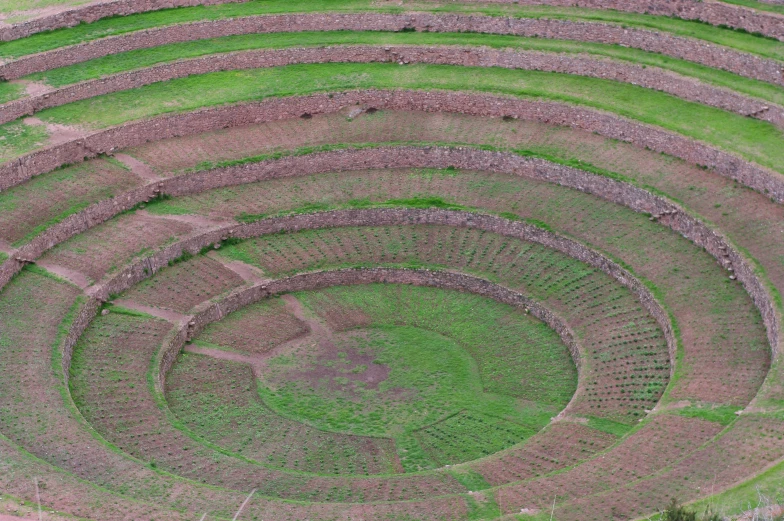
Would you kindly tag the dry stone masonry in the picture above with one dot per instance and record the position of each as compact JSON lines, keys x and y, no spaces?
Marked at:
{"x":649,"y":77}
{"x":644,"y":136}
{"x":705,"y":53}
{"x":751,"y":20}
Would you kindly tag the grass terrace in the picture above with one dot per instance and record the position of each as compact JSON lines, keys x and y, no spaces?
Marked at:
{"x":755,"y":140}
{"x":119,"y":25}
{"x":132,"y":60}
{"x":387,"y":315}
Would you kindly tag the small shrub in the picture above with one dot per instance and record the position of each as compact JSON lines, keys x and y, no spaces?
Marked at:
{"x":677,"y":512}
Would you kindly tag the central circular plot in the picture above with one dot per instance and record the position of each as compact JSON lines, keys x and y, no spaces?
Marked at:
{"x":385,"y":381}
{"x":377,"y":378}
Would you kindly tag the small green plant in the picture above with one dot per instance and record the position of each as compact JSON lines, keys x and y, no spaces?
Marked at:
{"x":677,"y":512}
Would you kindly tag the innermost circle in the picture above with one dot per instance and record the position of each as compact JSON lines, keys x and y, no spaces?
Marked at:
{"x":384,"y":381}
{"x":391,"y":378}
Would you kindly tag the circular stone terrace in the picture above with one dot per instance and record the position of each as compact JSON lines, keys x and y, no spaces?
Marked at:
{"x":491,"y":260}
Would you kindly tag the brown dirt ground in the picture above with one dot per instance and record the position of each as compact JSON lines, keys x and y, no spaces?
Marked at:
{"x":660,"y":443}
{"x":256,"y":329}
{"x":748,"y":448}
{"x":34,"y":418}
{"x":563,"y":444}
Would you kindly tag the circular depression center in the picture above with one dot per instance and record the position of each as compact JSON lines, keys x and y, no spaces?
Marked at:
{"x":441,"y":376}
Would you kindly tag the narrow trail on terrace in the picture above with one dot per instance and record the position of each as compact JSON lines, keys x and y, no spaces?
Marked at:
{"x":58,"y":133}
{"x":199,"y":222}
{"x":76,"y":277}
{"x":248,"y":273}
{"x":6,"y":247}
{"x":137,"y":167}
{"x":163,"y":313}
{"x":318,"y":334}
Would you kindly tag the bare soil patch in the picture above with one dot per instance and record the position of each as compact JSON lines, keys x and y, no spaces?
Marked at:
{"x":34,"y":418}
{"x":58,"y":133}
{"x":563,"y":444}
{"x":662,"y":442}
{"x":751,"y":445}
{"x":73,"y":276}
{"x":137,"y":167}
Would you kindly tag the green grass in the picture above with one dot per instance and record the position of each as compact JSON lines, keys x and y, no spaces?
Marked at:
{"x":9,"y":6}
{"x":442,"y":378}
{"x":609,"y":426}
{"x":469,"y":320}
{"x":357,"y":204}
{"x":166,"y":53}
{"x":454,"y":384}
{"x":118,"y":25}
{"x":482,"y":506}
{"x":470,"y":479}
{"x":17,"y":139}
{"x":452,"y":393}
{"x":10,"y":91}
{"x":756,"y":140}
{"x":760,"y":6}
{"x":719,"y":414}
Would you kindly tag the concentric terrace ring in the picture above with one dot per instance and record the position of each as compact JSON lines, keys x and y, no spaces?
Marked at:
{"x":283,"y":260}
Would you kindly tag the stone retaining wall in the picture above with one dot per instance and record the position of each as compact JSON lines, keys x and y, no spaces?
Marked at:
{"x":648,"y":77}
{"x":88,"y":310}
{"x":214,"y":312}
{"x":705,"y":53}
{"x":464,"y":158}
{"x":608,"y":125}
{"x":712,"y":12}
{"x":93,"y":12}
{"x":145,"y":268}
{"x":715,"y":13}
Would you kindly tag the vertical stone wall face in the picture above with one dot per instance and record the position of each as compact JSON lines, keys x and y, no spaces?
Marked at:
{"x":96,"y":11}
{"x":608,"y":125}
{"x":635,"y":198}
{"x":648,"y":77}
{"x":214,"y":312}
{"x":708,"y":54}
{"x":753,"y":21}
{"x":87,"y":312}
{"x":145,"y":268}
